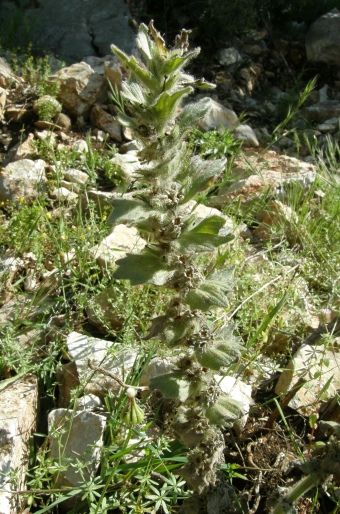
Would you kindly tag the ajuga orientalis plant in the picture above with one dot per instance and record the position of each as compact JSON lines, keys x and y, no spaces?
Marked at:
{"x":163,"y":210}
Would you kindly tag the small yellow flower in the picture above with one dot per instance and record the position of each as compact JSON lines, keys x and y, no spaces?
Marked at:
{"x":20,"y":199}
{"x":104,"y":217}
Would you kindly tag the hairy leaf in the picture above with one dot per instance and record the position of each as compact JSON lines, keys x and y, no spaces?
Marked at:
{"x":128,"y":211}
{"x":200,"y":175}
{"x":176,"y":62}
{"x":142,"y":268}
{"x":144,"y":43}
{"x":192,"y":113}
{"x":212,"y":292}
{"x":160,"y":43}
{"x":175,"y":385}
{"x":166,"y":104}
{"x":137,"y":71}
{"x":133,"y":93}
{"x":127,"y":121}
{"x":205,"y":236}
{"x":224,"y":412}
{"x":168,"y":329}
{"x":217,"y":356}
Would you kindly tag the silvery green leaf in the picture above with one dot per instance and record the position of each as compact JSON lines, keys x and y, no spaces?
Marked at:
{"x":142,"y":268}
{"x":127,"y":121}
{"x":218,"y":355}
{"x":127,"y":211}
{"x":224,"y":411}
{"x":166,"y":104}
{"x":175,"y":385}
{"x":200,"y":175}
{"x":133,"y":93}
{"x":167,"y":329}
{"x":133,"y":66}
{"x":213,"y":291}
{"x":205,"y":236}
{"x":203,"y":84}
{"x":192,"y":113}
{"x":176,"y":62}
{"x":224,"y":349}
{"x":144,"y":43}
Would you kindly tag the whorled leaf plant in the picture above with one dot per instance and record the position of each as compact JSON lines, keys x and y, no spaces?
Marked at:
{"x":169,"y":178}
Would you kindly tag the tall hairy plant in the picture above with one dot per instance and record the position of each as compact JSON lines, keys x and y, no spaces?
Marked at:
{"x":162,"y":210}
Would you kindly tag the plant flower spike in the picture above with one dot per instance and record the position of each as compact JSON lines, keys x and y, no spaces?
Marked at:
{"x":163,"y":211}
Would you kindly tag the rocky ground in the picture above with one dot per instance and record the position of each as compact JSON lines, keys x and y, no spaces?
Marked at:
{"x":64,"y":157}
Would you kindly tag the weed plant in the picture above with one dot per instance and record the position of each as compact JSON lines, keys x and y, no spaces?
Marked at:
{"x":162,"y":210}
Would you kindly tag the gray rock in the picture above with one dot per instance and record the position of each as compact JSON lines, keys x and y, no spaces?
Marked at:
{"x":218,"y":117}
{"x":7,"y":77}
{"x":63,"y":194}
{"x":3,"y":98}
{"x":46,"y":107}
{"x":128,"y":163}
{"x":101,"y":311}
{"x":157,"y":367}
{"x":116,"y":245}
{"x":24,"y":179}
{"x":88,"y":402}
{"x":80,"y":146}
{"x":316,"y":365}
{"x":331,"y":125}
{"x":9,"y":264}
{"x":129,"y":146}
{"x":63,"y":121}
{"x":80,"y":88}
{"x":75,"y":436}
{"x":102,"y":353}
{"x":76,"y":176}
{"x":240,"y":392}
{"x":18,"y":416}
{"x":323,"y":39}
{"x":103,"y":120}
{"x":228,"y":56}
{"x":72,"y":30}
{"x":245,"y":133}
{"x":25,"y":150}
{"x":322,"y":111}
{"x":102,"y":200}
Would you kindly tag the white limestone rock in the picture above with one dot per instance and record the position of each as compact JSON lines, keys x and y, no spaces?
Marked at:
{"x":229,"y":56}
{"x":62,"y":194}
{"x":116,"y":245}
{"x":76,"y":176}
{"x":105,"y":354}
{"x":7,"y":77}
{"x":80,"y":88}
{"x":218,"y":117}
{"x":246,"y":134}
{"x":128,"y":163}
{"x":3,"y":98}
{"x":316,"y":365}
{"x":18,"y":415}
{"x":240,"y":392}
{"x":88,"y":402}
{"x":23,"y":179}
{"x":103,"y":120}
{"x":158,"y":366}
{"x":323,"y":39}
{"x":75,"y":436}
